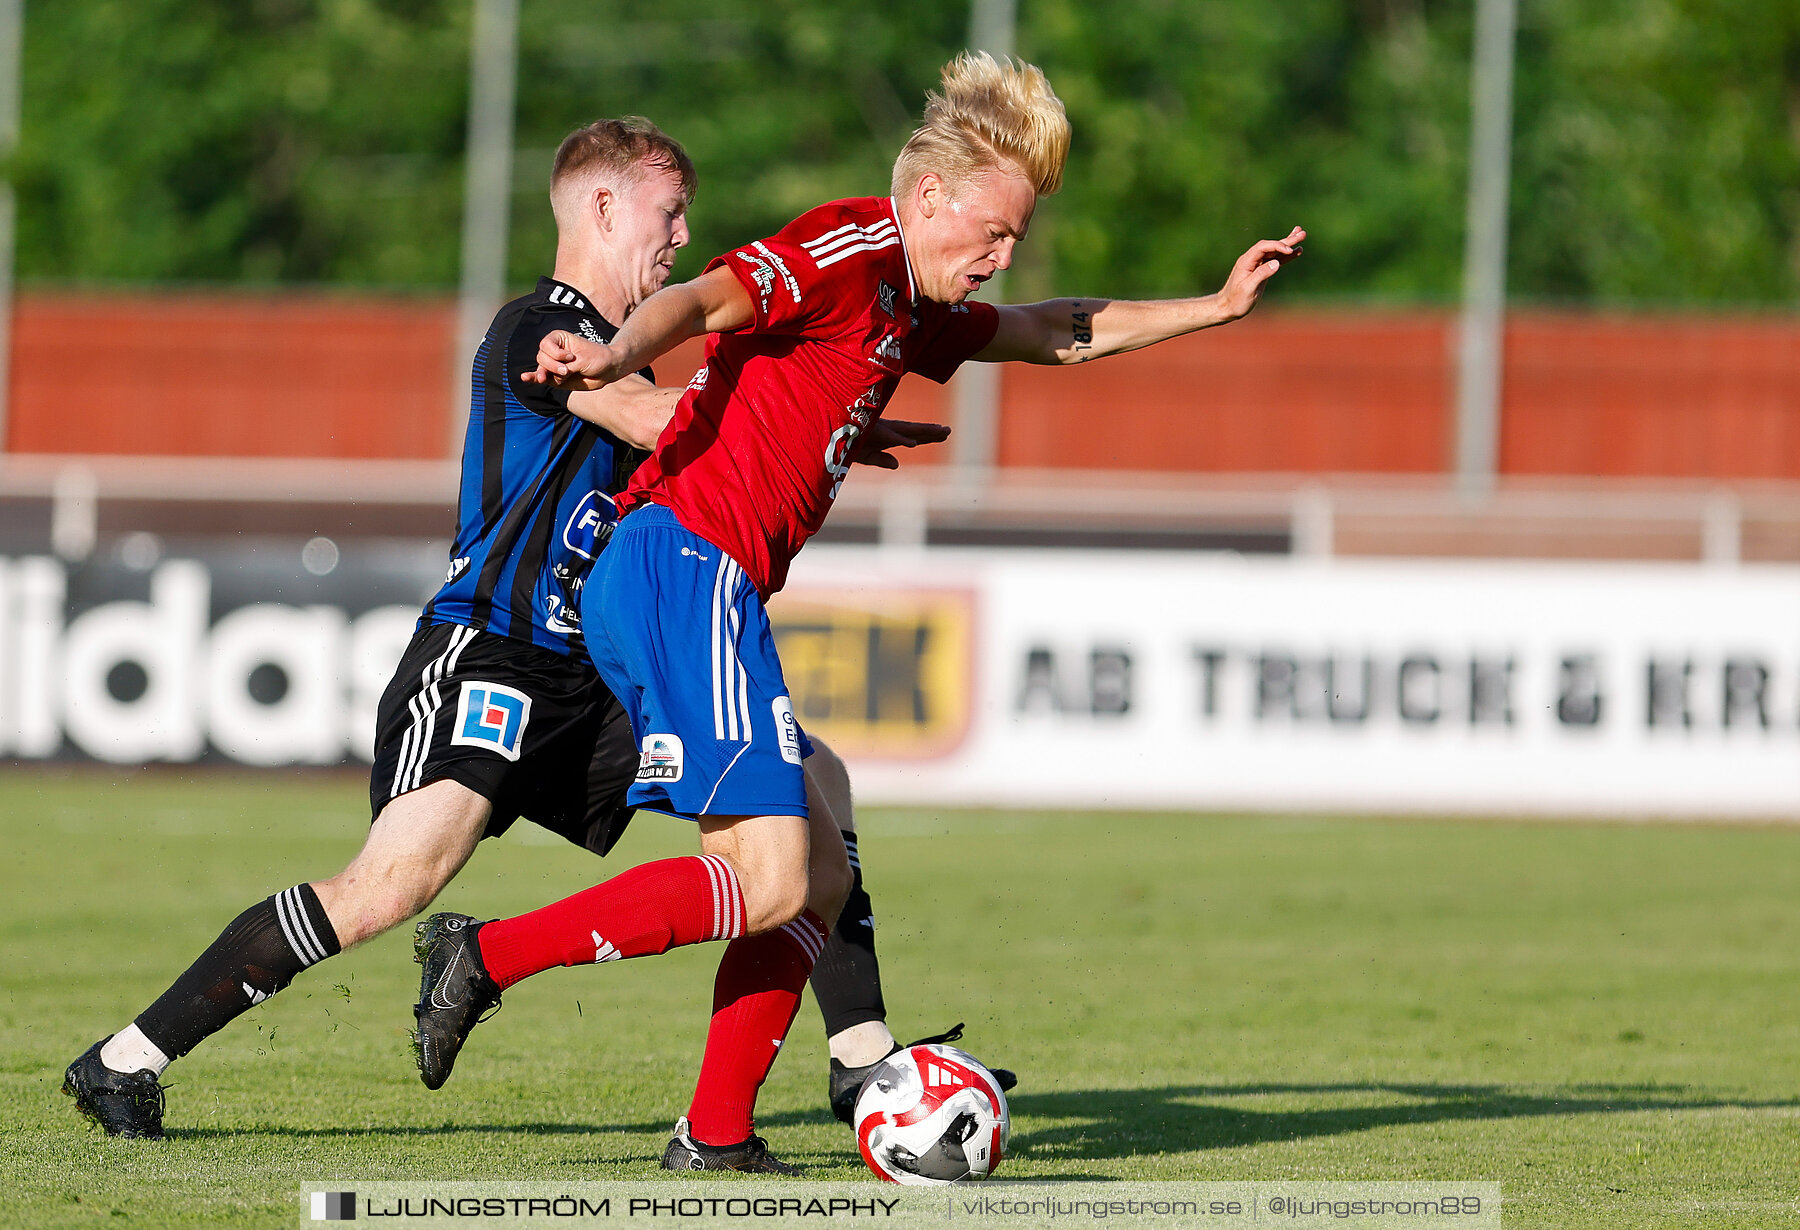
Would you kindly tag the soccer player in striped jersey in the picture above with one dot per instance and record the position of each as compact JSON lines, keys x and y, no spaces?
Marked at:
{"x":495,"y":711}
{"x":813,"y":329}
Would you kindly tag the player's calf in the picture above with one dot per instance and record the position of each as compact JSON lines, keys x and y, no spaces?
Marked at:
{"x":260,"y":952}
{"x":755,"y":995}
{"x":415,"y":847}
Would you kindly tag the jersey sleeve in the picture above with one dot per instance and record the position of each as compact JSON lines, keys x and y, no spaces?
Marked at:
{"x":948,"y":337}
{"x":788,"y":291}
{"x":521,"y":357}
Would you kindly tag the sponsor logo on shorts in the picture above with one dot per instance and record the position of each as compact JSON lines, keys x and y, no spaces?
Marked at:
{"x":492,"y":716}
{"x":787,"y":730}
{"x":588,"y":522}
{"x":661,"y":759}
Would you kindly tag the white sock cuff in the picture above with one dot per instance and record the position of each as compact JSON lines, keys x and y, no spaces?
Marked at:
{"x":130,"y":1051}
{"x":727,"y":897}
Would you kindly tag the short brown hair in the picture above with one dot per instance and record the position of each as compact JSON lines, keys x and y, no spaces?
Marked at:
{"x":991,"y":113}
{"x":622,"y":146}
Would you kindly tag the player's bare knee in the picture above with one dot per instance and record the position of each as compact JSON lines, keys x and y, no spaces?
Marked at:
{"x":773,"y":903}
{"x":771,"y":857}
{"x":773,"y":878}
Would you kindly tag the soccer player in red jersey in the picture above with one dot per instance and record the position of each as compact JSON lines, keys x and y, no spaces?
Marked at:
{"x":813,"y":328}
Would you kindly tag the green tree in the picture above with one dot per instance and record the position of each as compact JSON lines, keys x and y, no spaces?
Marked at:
{"x":1656,"y":150}
{"x":1658,"y":155}
{"x":218,"y":140}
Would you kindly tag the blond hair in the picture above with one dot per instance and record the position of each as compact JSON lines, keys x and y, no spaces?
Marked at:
{"x":990,"y":114}
{"x":624,"y":147}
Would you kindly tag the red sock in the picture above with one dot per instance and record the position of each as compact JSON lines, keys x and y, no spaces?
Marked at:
{"x":755,"y":997}
{"x":650,"y":909}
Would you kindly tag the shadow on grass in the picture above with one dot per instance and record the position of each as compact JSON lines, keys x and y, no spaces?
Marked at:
{"x":1093,"y":1124}
{"x":404,"y":1131}
{"x":1108,"y":1123}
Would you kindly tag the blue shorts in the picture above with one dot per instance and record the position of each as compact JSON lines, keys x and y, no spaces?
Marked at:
{"x":679,"y":634}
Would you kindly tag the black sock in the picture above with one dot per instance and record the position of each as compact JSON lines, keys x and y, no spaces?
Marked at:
{"x":257,"y":955}
{"x":846,"y":979}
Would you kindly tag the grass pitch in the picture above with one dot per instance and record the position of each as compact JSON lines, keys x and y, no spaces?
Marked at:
{"x":1601,"y":1018}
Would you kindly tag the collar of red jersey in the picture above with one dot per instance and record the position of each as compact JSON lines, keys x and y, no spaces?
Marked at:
{"x":912,"y":291}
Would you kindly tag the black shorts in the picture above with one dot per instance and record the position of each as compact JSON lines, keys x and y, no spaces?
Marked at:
{"x":533,"y":732}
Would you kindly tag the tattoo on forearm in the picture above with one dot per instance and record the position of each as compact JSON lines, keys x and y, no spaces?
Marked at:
{"x":1081,"y":326}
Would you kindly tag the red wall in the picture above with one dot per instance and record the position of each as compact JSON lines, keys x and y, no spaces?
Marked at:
{"x":287,"y":376}
{"x":1662,"y":395}
{"x":1276,"y":392}
{"x":1296,"y":391}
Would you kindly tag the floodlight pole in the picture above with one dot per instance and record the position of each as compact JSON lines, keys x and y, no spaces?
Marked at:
{"x":12,"y":41}
{"x":1481,"y":335}
{"x":487,"y":189}
{"x":975,"y":391}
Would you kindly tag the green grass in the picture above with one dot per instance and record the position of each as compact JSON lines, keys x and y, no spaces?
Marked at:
{"x":1601,"y":1018}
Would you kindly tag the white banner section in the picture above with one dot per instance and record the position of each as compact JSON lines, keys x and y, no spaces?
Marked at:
{"x":1080,"y":679}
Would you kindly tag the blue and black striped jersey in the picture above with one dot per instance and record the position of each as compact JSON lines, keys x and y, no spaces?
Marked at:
{"x":535,"y":504}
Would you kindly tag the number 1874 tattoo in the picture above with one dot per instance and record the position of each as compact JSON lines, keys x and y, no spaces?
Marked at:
{"x":1082,"y":328}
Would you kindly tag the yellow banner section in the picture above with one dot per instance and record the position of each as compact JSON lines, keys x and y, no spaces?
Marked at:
{"x":879,"y":675}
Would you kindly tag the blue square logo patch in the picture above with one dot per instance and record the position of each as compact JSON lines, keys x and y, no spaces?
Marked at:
{"x":493,"y":716}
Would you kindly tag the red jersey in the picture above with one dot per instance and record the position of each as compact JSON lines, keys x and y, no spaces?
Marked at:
{"x":761,"y":440}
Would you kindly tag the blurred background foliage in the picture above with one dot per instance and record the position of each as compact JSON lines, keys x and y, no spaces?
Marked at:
{"x":1656,"y":147}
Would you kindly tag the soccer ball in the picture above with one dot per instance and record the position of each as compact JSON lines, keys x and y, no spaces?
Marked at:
{"x":931,"y":1114}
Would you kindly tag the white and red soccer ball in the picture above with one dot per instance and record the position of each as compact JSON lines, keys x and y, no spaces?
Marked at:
{"x":931,"y":1114}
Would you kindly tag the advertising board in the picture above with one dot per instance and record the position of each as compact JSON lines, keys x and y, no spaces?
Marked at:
{"x":1031,"y":678}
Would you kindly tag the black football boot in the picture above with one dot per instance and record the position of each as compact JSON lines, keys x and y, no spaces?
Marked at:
{"x":454,"y":991}
{"x":126,"y":1104}
{"x":846,"y":1083}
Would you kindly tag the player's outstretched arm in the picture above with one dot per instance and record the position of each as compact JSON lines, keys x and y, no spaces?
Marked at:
{"x":714,"y":302}
{"x":1076,"y":330}
{"x":632,"y":409}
